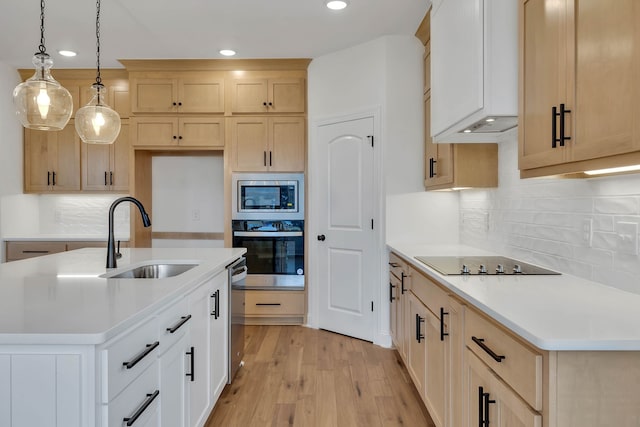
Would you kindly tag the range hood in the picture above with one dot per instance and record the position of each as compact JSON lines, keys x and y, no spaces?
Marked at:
{"x":474,"y":70}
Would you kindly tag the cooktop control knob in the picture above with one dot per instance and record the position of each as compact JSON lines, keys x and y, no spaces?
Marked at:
{"x":482,"y":269}
{"x":465,"y":269}
{"x":500,"y":269}
{"x":517,"y":269}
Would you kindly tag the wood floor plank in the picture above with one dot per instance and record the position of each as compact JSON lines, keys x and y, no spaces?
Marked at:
{"x":302,"y":377}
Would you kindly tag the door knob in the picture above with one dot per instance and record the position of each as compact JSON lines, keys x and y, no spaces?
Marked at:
{"x":321,"y":237}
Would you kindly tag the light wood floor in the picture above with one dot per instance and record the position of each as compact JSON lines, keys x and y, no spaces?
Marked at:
{"x":296,"y":376}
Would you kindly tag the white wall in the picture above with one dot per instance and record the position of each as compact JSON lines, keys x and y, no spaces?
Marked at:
{"x":540,"y":220}
{"x":188,"y":196}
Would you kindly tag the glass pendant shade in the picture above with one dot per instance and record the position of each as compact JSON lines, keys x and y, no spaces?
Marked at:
{"x":96,"y":122}
{"x":41,"y":102}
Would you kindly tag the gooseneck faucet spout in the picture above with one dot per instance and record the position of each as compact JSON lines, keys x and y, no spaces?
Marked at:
{"x":111,"y":243}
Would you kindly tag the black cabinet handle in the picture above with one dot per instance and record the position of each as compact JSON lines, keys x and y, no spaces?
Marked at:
{"x":480,"y":407}
{"x":391,"y":286}
{"x":321,"y":237}
{"x":175,"y":137}
{"x":269,"y":303}
{"x":264,"y":103}
{"x":270,"y":158}
{"x":48,"y":178}
{"x":264,"y":158}
{"x":442,"y":332}
{"x":394,"y":264}
{"x":183,"y":320}
{"x":480,"y":342}
{"x":110,"y":178}
{"x":191,"y":374}
{"x":419,"y":320}
{"x":216,"y":304}
{"x":150,"y":398}
{"x":105,"y":177}
{"x":402,"y":276}
{"x":487,"y":402}
{"x":141,"y":355}
{"x":174,"y":104}
{"x":270,"y":104}
{"x":432,"y":167}
{"x":33,"y":251}
{"x":179,"y":104}
{"x":180,"y":137}
{"x":53,"y":176}
{"x":563,"y":113}
{"x":554,"y":126}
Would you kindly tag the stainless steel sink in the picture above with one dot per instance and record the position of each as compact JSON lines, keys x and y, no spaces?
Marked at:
{"x":154,"y":271}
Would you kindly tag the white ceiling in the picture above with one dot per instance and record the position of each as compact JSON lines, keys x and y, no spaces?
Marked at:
{"x":139,"y":29}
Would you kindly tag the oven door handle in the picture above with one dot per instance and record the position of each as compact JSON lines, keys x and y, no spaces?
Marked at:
{"x":267,"y":233}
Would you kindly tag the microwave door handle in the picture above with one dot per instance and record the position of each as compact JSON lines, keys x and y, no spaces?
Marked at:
{"x":268,"y":233}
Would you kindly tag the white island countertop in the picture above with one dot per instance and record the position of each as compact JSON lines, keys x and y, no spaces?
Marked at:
{"x":551,"y":312}
{"x":61,"y":298}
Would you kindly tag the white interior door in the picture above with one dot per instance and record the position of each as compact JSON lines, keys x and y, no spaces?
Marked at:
{"x":346,"y":240}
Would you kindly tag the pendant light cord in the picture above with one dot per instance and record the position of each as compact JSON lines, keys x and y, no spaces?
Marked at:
{"x":41,"y":48}
{"x":98,"y":78}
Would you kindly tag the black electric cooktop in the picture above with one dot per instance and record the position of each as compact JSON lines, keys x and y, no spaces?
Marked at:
{"x":482,"y":265}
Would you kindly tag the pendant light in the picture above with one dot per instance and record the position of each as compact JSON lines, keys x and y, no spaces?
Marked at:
{"x":41,"y":102}
{"x":96,"y":122}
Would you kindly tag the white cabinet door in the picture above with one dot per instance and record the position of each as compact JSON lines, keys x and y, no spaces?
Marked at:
{"x":199,"y":355}
{"x":219,"y":319}
{"x":174,"y":368}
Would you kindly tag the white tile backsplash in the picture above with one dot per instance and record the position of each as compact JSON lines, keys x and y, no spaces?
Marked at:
{"x":540,"y":221}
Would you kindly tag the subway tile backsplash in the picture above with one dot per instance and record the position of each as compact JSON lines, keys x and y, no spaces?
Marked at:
{"x":543,"y":221}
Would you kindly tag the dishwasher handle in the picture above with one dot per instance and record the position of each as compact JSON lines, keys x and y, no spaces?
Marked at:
{"x":239,"y":274}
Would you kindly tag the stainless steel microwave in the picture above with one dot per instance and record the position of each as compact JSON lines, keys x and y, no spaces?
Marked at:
{"x":267,"y":196}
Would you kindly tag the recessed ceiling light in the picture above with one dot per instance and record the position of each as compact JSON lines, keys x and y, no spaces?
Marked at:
{"x":67,"y":53}
{"x":336,"y":4}
{"x":227,"y":52}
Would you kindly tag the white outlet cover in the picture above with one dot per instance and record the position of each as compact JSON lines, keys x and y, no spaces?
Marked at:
{"x":627,"y":237}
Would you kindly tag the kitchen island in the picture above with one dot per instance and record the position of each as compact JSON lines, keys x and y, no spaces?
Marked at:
{"x":79,"y":348}
{"x":515,"y":350}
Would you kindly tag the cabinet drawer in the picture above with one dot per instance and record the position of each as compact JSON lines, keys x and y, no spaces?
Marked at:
{"x":520,"y":366}
{"x":24,"y":250}
{"x":127,"y":356}
{"x":274,"y":303}
{"x":173,"y":322}
{"x":138,"y":399}
{"x":431,"y":295}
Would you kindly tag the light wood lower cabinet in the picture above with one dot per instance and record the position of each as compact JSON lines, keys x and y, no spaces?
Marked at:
{"x":274,"y":307}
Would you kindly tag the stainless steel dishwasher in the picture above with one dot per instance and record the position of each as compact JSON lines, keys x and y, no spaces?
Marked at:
{"x":237,"y":276}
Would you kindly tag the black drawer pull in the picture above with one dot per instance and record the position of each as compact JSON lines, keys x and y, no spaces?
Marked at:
{"x":105,"y":178}
{"x":110,"y":178}
{"x":142,"y":355}
{"x":183,"y":320}
{"x":391,"y":286}
{"x":402,"y":276}
{"x":480,"y":342}
{"x":554,"y":128}
{"x":442,"y":332}
{"x":419,"y":335}
{"x":192,"y":353}
{"x":563,"y":112}
{"x":268,"y":303}
{"x":33,"y":251}
{"x":216,"y":304}
{"x":150,"y":398}
{"x":394,"y":264}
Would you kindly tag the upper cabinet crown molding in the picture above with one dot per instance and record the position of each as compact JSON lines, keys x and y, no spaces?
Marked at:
{"x":474,"y":69}
{"x":215,"y":64}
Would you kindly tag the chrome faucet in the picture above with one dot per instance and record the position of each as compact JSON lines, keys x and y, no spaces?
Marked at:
{"x":111,"y":243}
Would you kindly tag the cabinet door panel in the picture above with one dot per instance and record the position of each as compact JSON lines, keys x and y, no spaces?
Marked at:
{"x":66,"y":163}
{"x":153,"y":95}
{"x":249,"y":96}
{"x":36,"y":168}
{"x":202,"y":132}
{"x":199,"y":386}
{"x":119,"y":181}
{"x":201,"y":95}
{"x":417,"y":351}
{"x":154,"y":131}
{"x":286,"y":95}
{"x":606,"y":79}
{"x":95,"y":167}
{"x":173,"y":384}
{"x":436,"y":375}
{"x":286,"y":139}
{"x":249,"y":144}
{"x":542,"y":81}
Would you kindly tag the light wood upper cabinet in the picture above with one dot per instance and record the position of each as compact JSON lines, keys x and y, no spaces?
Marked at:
{"x":181,"y":92}
{"x":171,"y":131}
{"x":52,"y":160}
{"x":274,"y":95}
{"x":567,"y":58}
{"x":268,"y":144}
{"x":105,"y":167}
